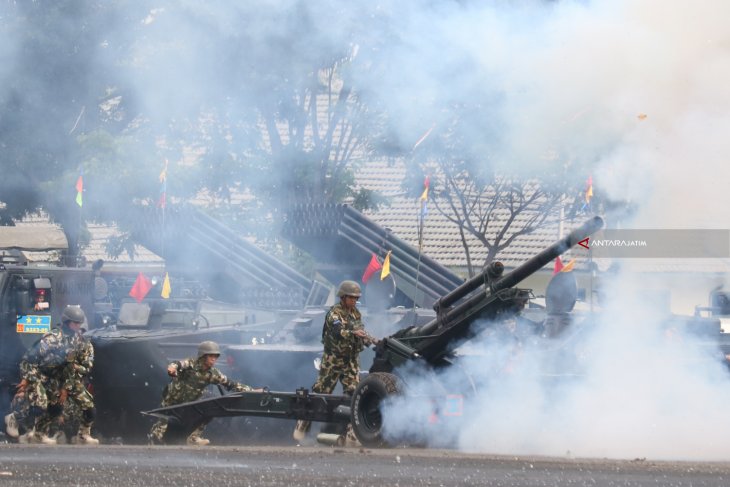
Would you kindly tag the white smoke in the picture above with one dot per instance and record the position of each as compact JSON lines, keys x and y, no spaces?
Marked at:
{"x":627,"y":385}
{"x":638,"y":91}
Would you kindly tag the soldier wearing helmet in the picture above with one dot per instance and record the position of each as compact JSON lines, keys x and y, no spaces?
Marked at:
{"x":190,"y":377}
{"x":52,"y":372}
{"x":343,"y":337}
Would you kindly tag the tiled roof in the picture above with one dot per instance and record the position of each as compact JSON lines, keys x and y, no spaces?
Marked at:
{"x":442,"y":241}
{"x":96,"y":248}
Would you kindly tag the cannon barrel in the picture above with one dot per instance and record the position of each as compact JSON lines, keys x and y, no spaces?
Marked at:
{"x":511,"y":279}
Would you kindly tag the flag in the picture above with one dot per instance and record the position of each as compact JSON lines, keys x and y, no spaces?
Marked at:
{"x":386,"y":266}
{"x":569,"y":266}
{"x":558,"y":265}
{"x":162,"y":201}
{"x":424,"y":198}
{"x":80,"y":189}
{"x":371,"y":269}
{"x":166,"y":289}
{"x":588,"y":194}
{"x":140,"y":288}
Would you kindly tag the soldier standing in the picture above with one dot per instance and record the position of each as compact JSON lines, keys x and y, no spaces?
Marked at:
{"x":189,"y":379}
{"x":52,"y":372}
{"x":344,"y":337}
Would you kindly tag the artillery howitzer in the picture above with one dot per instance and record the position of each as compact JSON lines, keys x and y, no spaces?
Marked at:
{"x":491,"y":296}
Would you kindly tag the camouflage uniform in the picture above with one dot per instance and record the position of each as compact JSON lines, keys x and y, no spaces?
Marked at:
{"x":341,"y":357}
{"x":43,"y":368}
{"x":58,"y":361}
{"x":189,"y":385}
{"x":340,"y":360}
{"x":80,"y":404}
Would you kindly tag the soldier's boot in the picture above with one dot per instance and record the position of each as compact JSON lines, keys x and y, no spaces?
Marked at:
{"x":350,"y":438}
{"x":197,"y":441}
{"x":25,"y":438}
{"x":11,"y":426}
{"x":84,"y":437}
{"x":301,"y":429}
{"x":153,"y":440}
{"x":36,"y":437}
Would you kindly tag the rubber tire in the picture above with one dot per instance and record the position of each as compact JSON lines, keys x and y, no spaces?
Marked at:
{"x":365,"y":415}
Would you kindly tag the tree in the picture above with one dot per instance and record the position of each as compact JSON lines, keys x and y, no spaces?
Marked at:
{"x":481,"y":197}
{"x":48,"y":96}
{"x":236,"y":110}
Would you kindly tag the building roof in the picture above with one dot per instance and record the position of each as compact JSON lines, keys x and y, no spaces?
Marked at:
{"x":97,"y":245}
{"x":441,"y":238}
{"x":442,"y":241}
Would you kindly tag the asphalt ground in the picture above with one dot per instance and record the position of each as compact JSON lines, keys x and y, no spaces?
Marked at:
{"x":109,"y":465}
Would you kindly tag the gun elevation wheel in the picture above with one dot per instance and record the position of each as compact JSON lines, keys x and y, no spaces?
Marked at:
{"x":367,"y":418}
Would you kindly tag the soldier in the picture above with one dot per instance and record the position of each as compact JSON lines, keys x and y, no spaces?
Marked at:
{"x":51,"y":373}
{"x":189,"y":379}
{"x":78,"y":366}
{"x":344,"y":337}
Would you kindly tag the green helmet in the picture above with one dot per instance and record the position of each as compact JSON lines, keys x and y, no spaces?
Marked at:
{"x":349,"y":288}
{"x":208,"y":348}
{"x":73,"y":313}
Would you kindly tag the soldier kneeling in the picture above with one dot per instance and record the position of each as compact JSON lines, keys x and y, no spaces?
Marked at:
{"x":190,"y":377}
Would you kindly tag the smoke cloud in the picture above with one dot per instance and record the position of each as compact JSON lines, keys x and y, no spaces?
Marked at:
{"x":624,"y":383}
{"x":632,"y":91}
{"x":638,"y":90}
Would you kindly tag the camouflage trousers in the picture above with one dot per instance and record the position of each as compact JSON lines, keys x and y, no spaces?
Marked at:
{"x":157,"y":433}
{"x":170,"y":397}
{"x":78,"y":408}
{"x":335,"y":369}
{"x":33,"y":404}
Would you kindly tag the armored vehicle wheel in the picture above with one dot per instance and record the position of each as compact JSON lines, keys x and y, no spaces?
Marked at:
{"x":367,"y":419}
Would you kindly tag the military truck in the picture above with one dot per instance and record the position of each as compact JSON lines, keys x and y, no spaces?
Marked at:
{"x":489,"y":298}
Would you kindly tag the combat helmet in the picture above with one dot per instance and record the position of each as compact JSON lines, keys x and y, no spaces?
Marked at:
{"x":208,"y":348}
{"x":349,"y":288}
{"x":73,"y":313}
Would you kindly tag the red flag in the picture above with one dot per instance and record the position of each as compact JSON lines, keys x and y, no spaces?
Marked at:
{"x":371,"y":269}
{"x":141,"y":287}
{"x":558,"y":265}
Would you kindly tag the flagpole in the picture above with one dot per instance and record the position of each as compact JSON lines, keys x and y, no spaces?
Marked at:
{"x":80,"y":203}
{"x":163,"y":204}
{"x":421,"y":217}
{"x":418,"y":265}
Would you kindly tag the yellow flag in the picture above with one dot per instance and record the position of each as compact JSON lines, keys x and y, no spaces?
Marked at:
{"x":166,"y":287}
{"x":569,"y":266}
{"x":386,"y":266}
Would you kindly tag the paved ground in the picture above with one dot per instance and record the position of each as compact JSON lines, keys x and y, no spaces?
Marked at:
{"x":26,"y":465}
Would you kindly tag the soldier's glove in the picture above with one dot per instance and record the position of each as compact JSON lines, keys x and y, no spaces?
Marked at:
{"x":63,"y":396}
{"x":21,"y":387}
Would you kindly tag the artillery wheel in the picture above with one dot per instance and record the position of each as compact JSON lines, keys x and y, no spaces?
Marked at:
{"x":367,"y":419}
